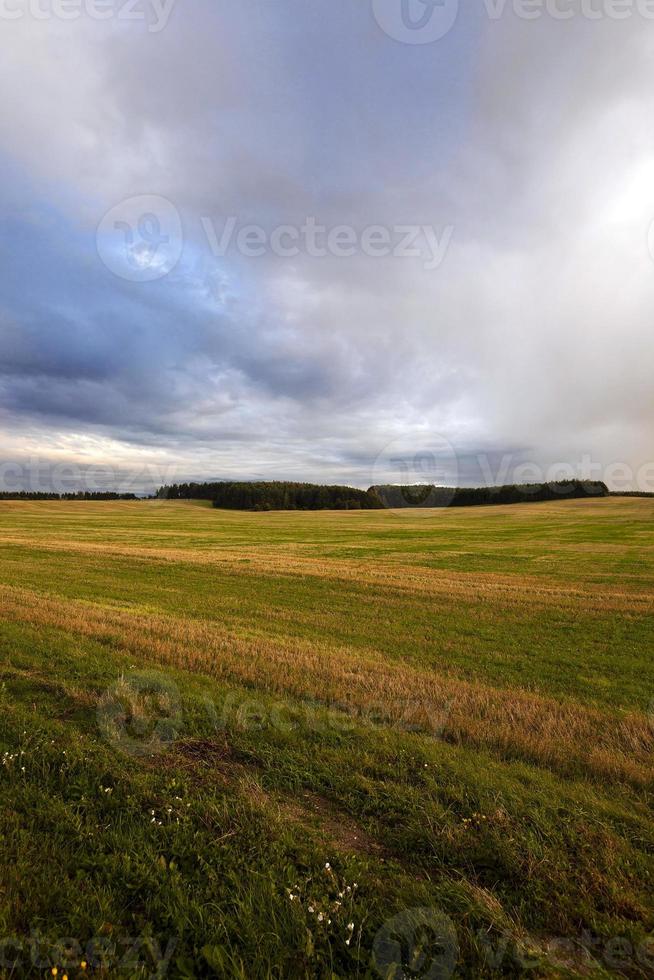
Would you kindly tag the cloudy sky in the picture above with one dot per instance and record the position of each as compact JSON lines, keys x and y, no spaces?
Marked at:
{"x":325,"y":239}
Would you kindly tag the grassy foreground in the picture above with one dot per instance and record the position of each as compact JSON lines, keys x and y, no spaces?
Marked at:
{"x":338,"y":744}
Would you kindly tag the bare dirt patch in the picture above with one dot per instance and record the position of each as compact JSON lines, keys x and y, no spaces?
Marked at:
{"x":312,"y":811}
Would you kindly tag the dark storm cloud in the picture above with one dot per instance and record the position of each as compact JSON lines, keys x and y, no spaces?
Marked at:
{"x":528,"y":138}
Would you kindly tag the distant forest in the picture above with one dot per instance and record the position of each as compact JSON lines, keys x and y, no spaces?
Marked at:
{"x":81,"y":495}
{"x":631,"y":493}
{"x":431,"y":496}
{"x":276,"y":495}
{"x":279,"y":495}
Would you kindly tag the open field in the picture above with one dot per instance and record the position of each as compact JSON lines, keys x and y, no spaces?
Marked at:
{"x":451,"y":708}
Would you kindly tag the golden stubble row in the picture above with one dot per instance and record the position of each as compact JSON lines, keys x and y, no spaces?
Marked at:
{"x":514,"y":590}
{"x":510,"y":723}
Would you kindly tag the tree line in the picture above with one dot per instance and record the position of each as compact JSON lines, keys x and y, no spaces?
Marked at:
{"x":282,"y":495}
{"x":277,"y":495}
{"x":274,"y":495}
{"x":78,"y":495}
{"x":432,"y":496}
{"x":631,"y":493}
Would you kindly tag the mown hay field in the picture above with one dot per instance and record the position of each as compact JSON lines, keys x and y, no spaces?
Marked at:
{"x":214,"y":724}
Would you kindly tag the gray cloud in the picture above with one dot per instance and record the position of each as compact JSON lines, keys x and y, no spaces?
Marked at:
{"x":531,"y":139}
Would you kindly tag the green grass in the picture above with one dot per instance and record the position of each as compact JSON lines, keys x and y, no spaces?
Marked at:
{"x":185,"y":835}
